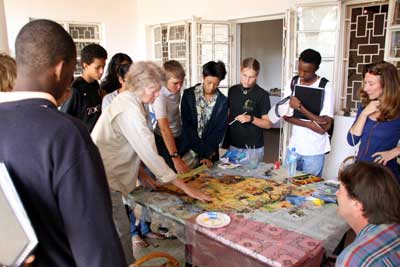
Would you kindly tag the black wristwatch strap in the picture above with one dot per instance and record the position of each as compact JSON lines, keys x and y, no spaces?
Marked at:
{"x":251,"y":119}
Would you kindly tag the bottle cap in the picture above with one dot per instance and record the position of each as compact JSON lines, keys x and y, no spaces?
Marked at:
{"x":277,"y":165}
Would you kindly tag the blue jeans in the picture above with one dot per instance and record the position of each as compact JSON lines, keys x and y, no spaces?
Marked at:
{"x":311,"y":164}
{"x":143,"y":225}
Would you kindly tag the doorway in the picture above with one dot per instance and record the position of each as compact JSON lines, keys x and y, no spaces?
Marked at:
{"x":263,"y":40}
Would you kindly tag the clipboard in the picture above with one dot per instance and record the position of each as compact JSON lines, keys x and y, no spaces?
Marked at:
{"x":18,"y":238}
{"x":312,"y":98}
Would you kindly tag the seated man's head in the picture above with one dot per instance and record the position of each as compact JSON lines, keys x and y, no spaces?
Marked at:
{"x":213,"y":74}
{"x":8,"y":73}
{"x":368,"y":193}
{"x":93,"y":60}
{"x":46,"y":58}
{"x":309,"y":62}
{"x":249,"y":70}
{"x":145,"y":79}
{"x":175,"y":75}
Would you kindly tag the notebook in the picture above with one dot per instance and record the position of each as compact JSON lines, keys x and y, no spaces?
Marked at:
{"x":17,"y":237}
{"x":312,"y":98}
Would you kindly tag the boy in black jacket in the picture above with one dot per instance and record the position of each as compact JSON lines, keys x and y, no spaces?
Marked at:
{"x":85,"y":101}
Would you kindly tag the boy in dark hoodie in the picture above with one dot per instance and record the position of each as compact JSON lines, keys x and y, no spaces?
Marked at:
{"x":85,"y":100}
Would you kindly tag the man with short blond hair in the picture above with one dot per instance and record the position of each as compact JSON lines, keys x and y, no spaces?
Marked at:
{"x":166,"y":109}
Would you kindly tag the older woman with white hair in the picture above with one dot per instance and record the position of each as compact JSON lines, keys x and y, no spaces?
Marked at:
{"x":124,"y":140}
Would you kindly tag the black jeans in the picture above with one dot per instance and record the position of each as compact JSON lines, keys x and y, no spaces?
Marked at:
{"x":163,"y":151}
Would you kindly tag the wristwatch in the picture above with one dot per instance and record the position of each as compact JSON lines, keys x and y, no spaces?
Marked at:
{"x":174,"y":155}
{"x":251,"y":119}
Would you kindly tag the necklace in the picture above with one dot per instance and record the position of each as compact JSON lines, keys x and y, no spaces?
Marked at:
{"x":244,"y":91}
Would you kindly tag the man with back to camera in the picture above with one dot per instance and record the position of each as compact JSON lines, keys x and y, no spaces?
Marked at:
{"x":56,"y":168}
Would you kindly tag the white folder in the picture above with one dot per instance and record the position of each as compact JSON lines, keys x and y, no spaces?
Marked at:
{"x":17,"y":237}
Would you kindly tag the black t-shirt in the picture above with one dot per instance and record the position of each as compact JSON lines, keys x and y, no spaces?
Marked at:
{"x":84,"y":103}
{"x":255,"y":102}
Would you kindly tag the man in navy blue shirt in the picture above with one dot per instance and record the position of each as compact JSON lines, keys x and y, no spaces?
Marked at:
{"x":56,"y":168}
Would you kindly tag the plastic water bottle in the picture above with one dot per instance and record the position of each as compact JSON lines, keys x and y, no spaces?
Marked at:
{"x":292,"y":162}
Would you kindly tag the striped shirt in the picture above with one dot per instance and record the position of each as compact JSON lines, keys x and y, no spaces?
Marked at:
{"x":374,"y":246}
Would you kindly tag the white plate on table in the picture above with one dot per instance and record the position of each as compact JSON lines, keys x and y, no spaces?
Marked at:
{"x":228,"y":165}
{"x":213,"y":219}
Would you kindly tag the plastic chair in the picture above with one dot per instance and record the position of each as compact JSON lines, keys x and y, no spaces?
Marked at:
{"x":347,"y":161}
{"x":171,"y":261}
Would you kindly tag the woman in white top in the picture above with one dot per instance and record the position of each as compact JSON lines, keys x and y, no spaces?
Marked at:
{"x":124,"y":140}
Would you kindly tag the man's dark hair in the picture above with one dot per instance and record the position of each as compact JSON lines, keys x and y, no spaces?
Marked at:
{"x":376,"y":188}
{"x":311,"y":56}
{"x":41,"y":44}
{"x":92,"y":51}
{"x":174,"y":69}
{"x":215,"y":69}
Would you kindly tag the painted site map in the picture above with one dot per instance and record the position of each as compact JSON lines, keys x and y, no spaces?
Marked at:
{"x":237,"y":194}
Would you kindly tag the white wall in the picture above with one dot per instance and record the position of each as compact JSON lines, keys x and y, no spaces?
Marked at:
{"x":3,"y":30}
{"x":263,"y":41}
{"x":340,"y":148}
{"x":118,"y":17}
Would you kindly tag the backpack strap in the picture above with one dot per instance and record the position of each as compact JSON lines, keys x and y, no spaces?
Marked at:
{"x":280,"y":102}
{"x":294,"y":81}
{"x":323,"y":82}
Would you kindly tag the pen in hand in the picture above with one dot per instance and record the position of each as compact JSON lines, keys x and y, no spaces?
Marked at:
{"x":316,"y":123}
{"x":244,"y":113}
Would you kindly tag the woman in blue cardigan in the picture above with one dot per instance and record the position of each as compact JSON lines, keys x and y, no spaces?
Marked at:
{"x":377,"y":125}
{"x":204,"y":113}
